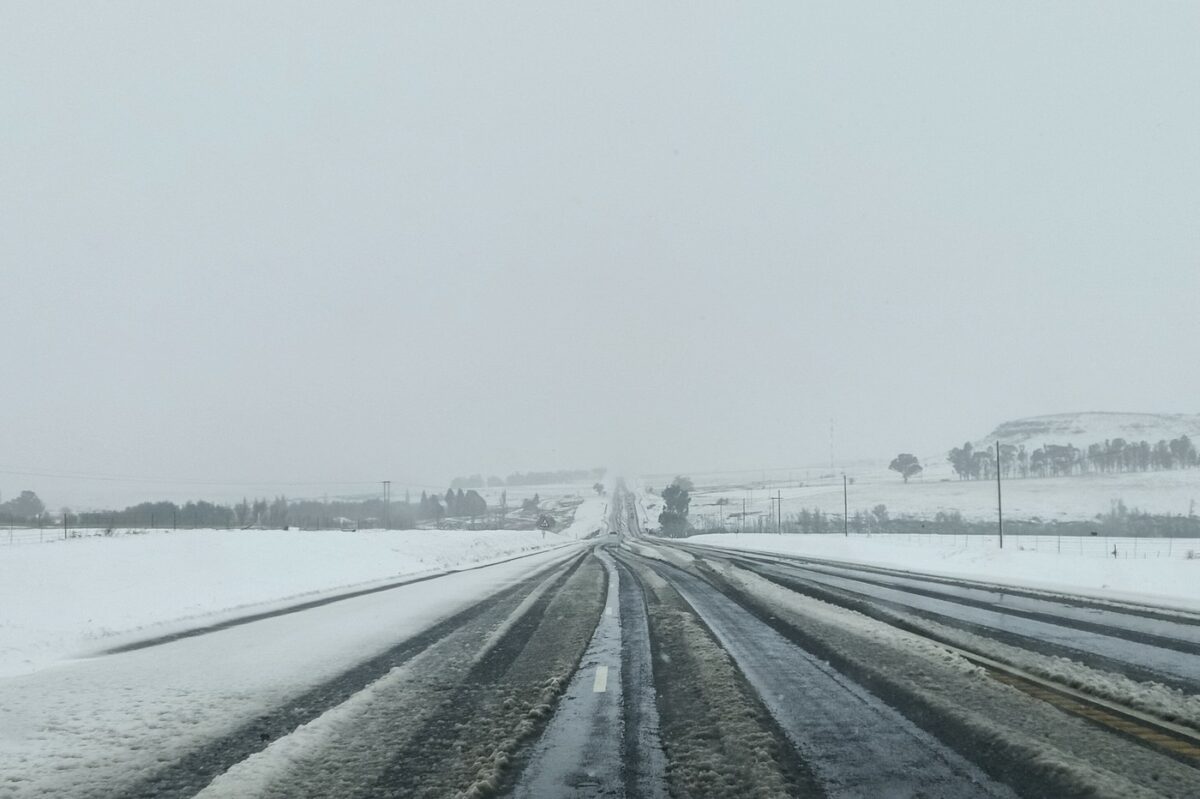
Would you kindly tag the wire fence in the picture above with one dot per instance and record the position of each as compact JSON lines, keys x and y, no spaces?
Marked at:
{"x":40,"y":535}
{"x":1088,"y":546}
{"x":15,"y":536}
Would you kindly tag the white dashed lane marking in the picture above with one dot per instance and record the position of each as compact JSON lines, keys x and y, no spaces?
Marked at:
{"x":601,"y":683}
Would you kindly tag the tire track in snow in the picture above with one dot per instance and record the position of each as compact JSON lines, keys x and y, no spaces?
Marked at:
{"x":191,"y":773}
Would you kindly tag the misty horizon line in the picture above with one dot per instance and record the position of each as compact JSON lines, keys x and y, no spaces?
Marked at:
{"x":176,"y":490}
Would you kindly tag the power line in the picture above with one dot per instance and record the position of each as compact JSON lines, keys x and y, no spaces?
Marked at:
{"x":112,"y":478}
{"x":182,"y":481}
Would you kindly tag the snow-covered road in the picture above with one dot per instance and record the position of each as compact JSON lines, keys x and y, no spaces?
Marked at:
{"x":629,"y":666}
{"x":844,"y":731}
{"x":1147,"y":645}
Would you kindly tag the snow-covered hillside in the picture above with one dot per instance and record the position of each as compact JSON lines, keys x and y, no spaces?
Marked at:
{"x":1082,"y":429}
{"x":1077,"y":429}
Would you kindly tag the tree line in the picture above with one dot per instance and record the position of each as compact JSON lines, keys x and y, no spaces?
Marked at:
{"x":1058,"y":460}
{"x":277,"y":512}
{"x":457,"y":503}
{"x":274,"y":512}
{"x":261,"y":512}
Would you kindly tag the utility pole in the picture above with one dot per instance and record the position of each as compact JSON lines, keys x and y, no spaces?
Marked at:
{"x":999,"y":504}
{"x":742,"y":524}
{"x":387,"y":504}
{"x":778,"y":512}
{"x":831,"y":461}
{"x":845,"y":508}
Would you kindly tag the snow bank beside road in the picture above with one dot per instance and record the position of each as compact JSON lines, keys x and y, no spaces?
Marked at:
{"x":1157,"y":581}
{"x":81,"y":595}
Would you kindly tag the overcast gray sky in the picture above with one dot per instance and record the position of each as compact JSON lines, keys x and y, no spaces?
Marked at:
{"x":336,"y":242}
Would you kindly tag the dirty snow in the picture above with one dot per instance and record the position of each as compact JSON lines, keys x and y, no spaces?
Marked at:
{"x":1058,"y":749}
{"x":1169,"y":582}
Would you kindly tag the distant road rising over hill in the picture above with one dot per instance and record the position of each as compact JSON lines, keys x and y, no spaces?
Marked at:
{"x":1081,"y":429}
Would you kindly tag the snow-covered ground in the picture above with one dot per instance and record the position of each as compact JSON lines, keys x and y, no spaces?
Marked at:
{"x":83,"y":725}
{"x":1050,"y":499}
{"x":68,"y":598}
{"x":1167,"y":581}
{"x":937,"y":489}
{"x":591,"y":518}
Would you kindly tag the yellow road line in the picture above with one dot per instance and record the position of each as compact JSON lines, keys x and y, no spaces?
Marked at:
{"x":601,"y":683}
{"x":1100,"y":716}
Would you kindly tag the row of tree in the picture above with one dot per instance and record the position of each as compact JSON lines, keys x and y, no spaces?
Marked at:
{"x":167,"y":514}
{"x":277,"y":513}
{"x":1056,"y":460}
{"x":457,"y":503}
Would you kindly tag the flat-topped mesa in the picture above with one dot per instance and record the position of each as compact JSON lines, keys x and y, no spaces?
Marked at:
{"x":1083,"y":429}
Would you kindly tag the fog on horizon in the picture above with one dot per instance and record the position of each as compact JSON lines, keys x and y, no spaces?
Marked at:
{"x":301,"y":248}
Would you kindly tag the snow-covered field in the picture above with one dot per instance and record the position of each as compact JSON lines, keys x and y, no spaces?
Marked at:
{"x":1169,"y":581}
{"x":937,"y":489}
{"x":68,"y":598}
{"x":1050,"y":499}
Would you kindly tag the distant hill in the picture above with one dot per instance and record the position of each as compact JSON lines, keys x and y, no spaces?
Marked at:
{"x":1078,"y":429}
{"x":1081,"y":429}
